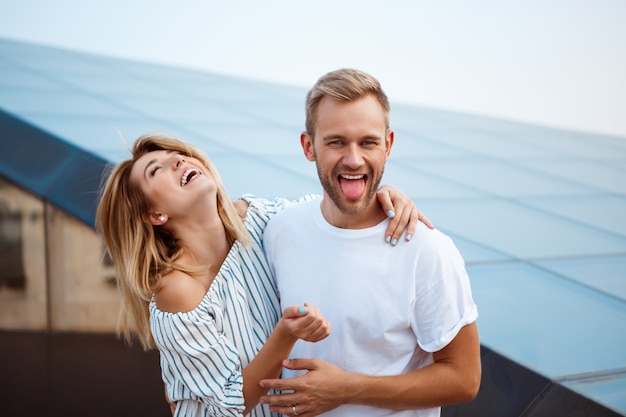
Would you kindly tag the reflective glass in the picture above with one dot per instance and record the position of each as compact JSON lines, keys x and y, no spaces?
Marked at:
{"x":512,"y":180}
{"x":530,"y":315}
{"x":521,"y":231}
{"x":606,"y":212}
{"x":602,"y":175}
{"x":603,"y":273}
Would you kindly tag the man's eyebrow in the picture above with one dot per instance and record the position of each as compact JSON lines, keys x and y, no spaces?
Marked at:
{"x":332,"y":136}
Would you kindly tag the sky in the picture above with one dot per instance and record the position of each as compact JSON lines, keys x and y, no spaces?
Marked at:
{"x":557,"y":63}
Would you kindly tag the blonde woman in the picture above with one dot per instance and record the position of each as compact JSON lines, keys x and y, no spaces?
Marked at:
{"x":194,"y":279}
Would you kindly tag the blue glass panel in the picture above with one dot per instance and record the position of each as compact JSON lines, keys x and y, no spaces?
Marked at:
{"x":114,"y":87}
{"x":257,"y":139}
{"x":552,"y":325}
{"x":415,"y":147}
{"x":247,"y":175}
{"x":183,"y":110}
{"x":520,"y":231}
{"x":30,"y":157}
{"x":12,"y":78}
{"x":606,"y":212}
{"x":474,"y":253}
{"x":502,"y":178}
{"x":68,"y":103}
{"x":421,"y":185}
{"x":603,"y":273}
{"x":107,"y":134}
{"x":296,"y":163}
{"x":601,"y":175}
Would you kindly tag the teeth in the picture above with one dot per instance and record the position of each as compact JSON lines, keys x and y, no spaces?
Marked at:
{"x":352,"y":177}
{"x":185,"y":178}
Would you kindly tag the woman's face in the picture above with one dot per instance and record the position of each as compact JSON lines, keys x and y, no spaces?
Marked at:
{"x":173,"y":183}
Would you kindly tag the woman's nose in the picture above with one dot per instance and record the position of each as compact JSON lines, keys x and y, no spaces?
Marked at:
{"x":179,"y":161}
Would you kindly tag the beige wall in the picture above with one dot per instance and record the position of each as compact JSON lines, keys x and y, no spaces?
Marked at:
{"x":67,"y":284}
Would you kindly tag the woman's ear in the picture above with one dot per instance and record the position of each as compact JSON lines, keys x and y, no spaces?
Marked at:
{"x":155,"y":219}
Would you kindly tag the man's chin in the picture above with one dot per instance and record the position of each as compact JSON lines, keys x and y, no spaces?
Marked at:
{"x":351,"y":207}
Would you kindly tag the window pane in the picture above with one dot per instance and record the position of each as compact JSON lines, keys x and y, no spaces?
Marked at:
{"x":82,"y":280}
{"x":22,"y":260}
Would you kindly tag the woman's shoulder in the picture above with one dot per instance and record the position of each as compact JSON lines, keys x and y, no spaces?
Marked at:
{"x":242,"y":207}
{"x":179,"y":292}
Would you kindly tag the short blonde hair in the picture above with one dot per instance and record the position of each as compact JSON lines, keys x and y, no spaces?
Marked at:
{"x":343,"y":85}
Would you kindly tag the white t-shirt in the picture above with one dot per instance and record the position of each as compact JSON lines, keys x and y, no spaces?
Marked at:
{"x":390,"y":307}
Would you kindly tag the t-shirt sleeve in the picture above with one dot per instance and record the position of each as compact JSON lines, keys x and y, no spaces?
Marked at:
{"x":443,"y":301}
{"x":200,"y":366}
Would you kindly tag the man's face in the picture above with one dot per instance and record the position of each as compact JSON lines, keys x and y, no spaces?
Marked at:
{"x":350,"y":149}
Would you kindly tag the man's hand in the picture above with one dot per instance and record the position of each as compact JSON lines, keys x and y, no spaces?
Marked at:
{"x":321,"y":389}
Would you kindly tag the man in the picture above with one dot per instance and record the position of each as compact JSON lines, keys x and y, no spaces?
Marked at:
{"x":404,"y":339}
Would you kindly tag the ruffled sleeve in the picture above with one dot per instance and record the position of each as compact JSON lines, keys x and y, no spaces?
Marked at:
{"x":200,"y":366}
{"x":262,"y":210}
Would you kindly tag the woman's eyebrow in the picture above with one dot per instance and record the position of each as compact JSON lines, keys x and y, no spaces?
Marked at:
{"x":168,"y":151}
{"x":147,"y":166}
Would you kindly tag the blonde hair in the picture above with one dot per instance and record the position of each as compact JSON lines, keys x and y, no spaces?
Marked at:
{"x":142,"y":253}
{"x":343,"y":85}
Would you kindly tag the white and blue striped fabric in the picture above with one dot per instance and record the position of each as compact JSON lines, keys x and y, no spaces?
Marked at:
{"x":204,"y":350}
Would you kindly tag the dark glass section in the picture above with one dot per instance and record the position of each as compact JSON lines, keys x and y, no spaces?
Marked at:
{"x":508,"y":389}
{"x":51,"y":168}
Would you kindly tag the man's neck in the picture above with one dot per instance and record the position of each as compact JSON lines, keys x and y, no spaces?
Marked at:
{"x":369,"y":217}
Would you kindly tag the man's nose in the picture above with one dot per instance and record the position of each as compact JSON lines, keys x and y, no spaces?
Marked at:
{"x":353,"y":157}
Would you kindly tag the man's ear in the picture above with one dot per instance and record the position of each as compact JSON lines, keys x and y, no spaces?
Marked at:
{"x":389,"y":142}
{"x":307,"y":146}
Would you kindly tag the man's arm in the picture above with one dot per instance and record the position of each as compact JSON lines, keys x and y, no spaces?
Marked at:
{"x":453,"y":378}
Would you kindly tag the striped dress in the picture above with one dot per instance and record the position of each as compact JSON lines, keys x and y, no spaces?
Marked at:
{"x":203,"y":351}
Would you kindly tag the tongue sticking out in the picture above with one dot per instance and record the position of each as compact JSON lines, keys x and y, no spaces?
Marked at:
{"x":352,"y":189}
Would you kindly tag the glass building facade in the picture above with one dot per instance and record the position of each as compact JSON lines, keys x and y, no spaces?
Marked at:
{"x":538,"y":214}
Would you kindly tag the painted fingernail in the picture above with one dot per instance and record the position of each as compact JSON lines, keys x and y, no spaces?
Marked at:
{"x":394,"y":242}
{"x":302,"y":310}
{"x":408,"y":237}
{"x":390,"y":214}
{"x":388,"y":239}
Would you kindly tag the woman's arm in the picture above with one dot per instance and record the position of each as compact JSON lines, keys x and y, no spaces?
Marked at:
{"x":192,"y":345}
{"x":297,"y":323}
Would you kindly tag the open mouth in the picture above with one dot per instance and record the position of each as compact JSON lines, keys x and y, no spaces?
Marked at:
{"x":188,"y":175}
{"x":352,"y":186}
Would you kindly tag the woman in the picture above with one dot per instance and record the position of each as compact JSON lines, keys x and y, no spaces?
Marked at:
{"x":194,"y":279}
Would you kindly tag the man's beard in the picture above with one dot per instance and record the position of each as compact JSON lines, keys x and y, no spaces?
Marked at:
{"x":334,"y":192}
